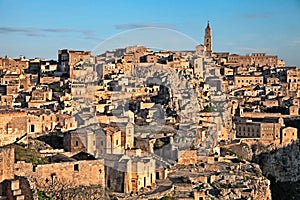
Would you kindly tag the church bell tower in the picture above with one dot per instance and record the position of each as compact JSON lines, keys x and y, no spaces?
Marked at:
{"x":208,"y":38}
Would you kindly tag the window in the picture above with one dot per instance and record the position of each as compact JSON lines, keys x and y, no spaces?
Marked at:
{"x":32,"y":128}
{"x":76,"y":167}
{"x":117,"y":141}
{"x":76,"y":143}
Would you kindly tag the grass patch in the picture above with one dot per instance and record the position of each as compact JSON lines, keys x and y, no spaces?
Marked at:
{"x":22,"y":153}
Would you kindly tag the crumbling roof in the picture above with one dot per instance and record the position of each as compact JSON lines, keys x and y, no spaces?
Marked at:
{"x":61,"y":158}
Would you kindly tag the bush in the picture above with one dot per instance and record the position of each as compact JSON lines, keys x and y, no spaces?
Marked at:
{"x":207,"y":109}
{"x":43,"y":196}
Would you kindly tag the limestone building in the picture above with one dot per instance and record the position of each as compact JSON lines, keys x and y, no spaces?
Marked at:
{"x":68,"y":58}
{"x":130,"y":172}
{"x":13,"y":125}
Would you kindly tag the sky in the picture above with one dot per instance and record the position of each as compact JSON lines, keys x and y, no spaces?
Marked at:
{"x":39,"y":28}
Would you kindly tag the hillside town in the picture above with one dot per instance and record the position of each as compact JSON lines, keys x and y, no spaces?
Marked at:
{"x":134,"y":123}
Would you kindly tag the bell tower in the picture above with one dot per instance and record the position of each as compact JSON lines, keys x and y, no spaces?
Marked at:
{"x":208,"y":38}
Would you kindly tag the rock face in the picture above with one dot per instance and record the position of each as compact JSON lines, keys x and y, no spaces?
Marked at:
{"x":225,"y":179}
{"x":281,"y":166}
{"x":282,"y":163}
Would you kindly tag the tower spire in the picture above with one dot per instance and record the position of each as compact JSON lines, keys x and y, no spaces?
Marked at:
{"x":208,"y":38}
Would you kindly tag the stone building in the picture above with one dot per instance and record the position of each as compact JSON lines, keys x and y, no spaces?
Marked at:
{"x":133,"y":53}
{"x":41,"y":94}
{"x":99,"y":141}
{"x":243,"y":81}
{"x":68,"y":58}
{"x":66,"y":122}
{"x":293,"y":75}
{"x":75,"y":142}
{"x":149,"y":58}
{"x":34,"y":66}
{"x":294,"y":110}
{"x":84,"y":139}
{"x":255,"y":59}
{"x":112,"y":141}
{"x":10,"y":187}
{"x":128,"y":58}
{"x":14,"y":64}
{"x":72,"y":173}
{"x":271,"y":103}
{"x":143,"y":172}
{"x":48,"y":66}
{"x":288,"y":135}
{"x":7,"y":160}
{"x":11,"y":78}
{"x":117,"y":173}
{"x":41,"y":121}
{"x":266,"y":129}
{"x":13,"y":125}
{"x":12,"y":90}
{"x":128,"y":136}
{"x":130,"y":172}
{"x":6,"y":101}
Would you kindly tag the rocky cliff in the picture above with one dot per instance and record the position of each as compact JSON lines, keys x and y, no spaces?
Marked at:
{"x":282,"y":167}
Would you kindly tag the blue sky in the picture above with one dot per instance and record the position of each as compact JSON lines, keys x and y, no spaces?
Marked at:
{"x":40,"y":28}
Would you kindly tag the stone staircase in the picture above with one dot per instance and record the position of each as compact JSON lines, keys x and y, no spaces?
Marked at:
{"x":10,"y":190}
{"x":167,"y":162}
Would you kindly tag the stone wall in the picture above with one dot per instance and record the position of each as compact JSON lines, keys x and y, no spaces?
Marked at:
{"x":188,"y":157}
{"x":6,"y":163}
{"x":70,"y":174}
{"x":13,"y":125}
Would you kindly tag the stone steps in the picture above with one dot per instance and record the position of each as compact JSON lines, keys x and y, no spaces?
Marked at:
{"x":11,"y":190}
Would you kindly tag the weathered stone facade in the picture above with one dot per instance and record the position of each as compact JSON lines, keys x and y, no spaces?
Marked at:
{"x":13,"y":125}
{"x":71,"y":174}
{"x":7,"y":159}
